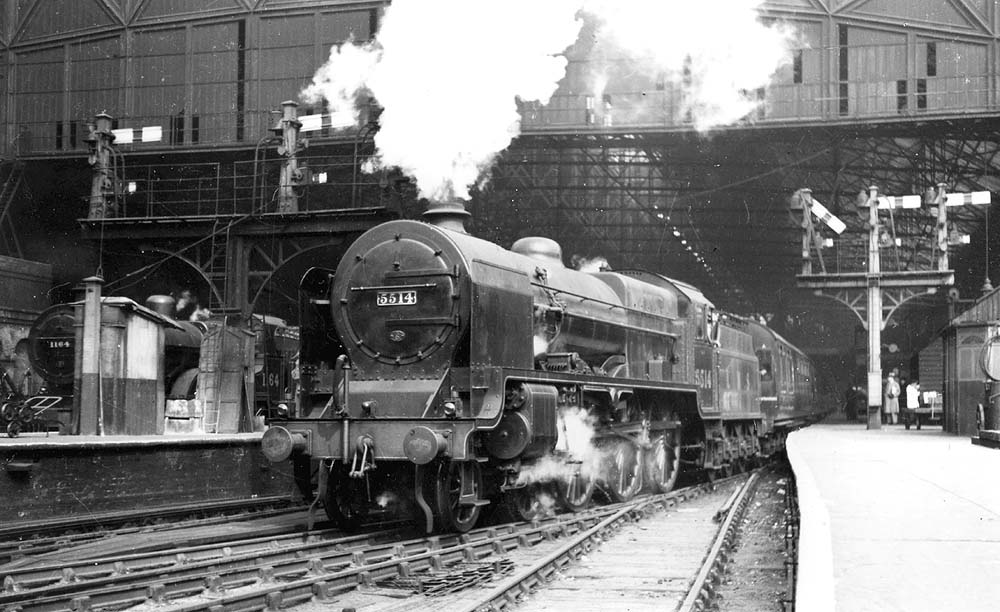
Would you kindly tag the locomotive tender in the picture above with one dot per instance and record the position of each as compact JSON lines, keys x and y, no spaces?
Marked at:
{"x":443,"y":368}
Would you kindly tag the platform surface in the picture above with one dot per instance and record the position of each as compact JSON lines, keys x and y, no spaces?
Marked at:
{"x":896,"y":520}
{"x":53,"y":440}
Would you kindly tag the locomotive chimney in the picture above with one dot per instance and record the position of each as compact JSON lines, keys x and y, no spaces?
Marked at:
{"x":447,"y":215}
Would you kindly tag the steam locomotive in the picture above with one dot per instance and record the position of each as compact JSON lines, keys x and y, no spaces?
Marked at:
{"x":444,"y":369}
{"x":52,"y":352}
{"x":53,"y":348}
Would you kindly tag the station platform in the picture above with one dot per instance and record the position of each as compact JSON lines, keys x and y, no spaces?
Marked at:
{"x":45,"y":477}
{"x":895,"y":520}
{"x":54,"y":440}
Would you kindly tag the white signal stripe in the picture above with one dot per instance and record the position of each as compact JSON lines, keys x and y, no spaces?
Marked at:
{"x":152,"y":133}
{"x":907,"y":201}
{"x":961,"y":199}
{"x":123,"y":136}
{"x":338,"y":120}
{"x":827,"y":217}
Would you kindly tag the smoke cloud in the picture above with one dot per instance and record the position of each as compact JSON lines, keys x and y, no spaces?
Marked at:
{"x":717,"y":53}
{"x":449,"y":74}
{"x":585,"y":264}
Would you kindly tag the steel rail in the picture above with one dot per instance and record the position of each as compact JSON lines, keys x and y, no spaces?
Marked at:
{"x":116,"y":585}
{"x":507,"y":593}
{"x":703,"y":588}
{"x":792,"y":526}
{"x":270,"y":579}
{"x":274,"y":591}
{"x":37,"y":576}
{"x":113,"y":584}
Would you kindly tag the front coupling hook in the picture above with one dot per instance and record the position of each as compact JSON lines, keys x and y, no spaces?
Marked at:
{"x":364,"y":457}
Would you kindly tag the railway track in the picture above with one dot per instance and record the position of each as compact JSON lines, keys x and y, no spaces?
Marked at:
{"x":36,"y":538}
{"x":327,"y":566}
{"x":643,"y":557}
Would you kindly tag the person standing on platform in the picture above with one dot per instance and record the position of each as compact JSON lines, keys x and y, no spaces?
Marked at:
{"x":912,"y":403}
{"x":860,"y":403}
{"x":890,"y":399}
{"x":850,"y":396}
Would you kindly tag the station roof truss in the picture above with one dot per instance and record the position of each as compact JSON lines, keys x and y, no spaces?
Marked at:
{"x":718,"y":212}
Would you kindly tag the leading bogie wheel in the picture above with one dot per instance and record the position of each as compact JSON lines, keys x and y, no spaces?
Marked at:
{"x":455,"y":495}
{"x":346,"y":501}
{"x":624,"y":477}
{"x":663,"y":462}
{"x":529,"y":502}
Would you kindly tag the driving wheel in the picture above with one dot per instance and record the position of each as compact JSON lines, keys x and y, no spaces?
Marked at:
{"x":663,"y":462}
{"x":623,"y":477}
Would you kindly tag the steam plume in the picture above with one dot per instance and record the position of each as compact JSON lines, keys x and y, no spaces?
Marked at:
{"x":716,"y":52}
{"x":449,"y":73}
{"x":585,"y":264}
{"x":575,"y":450}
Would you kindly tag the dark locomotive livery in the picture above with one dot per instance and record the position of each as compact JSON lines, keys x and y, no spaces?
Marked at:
{"x":53,"y":348}
{"x":52,"y":352}
{"x":462,"y":367}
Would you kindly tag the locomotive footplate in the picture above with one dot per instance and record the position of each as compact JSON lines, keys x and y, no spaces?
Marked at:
{"x":379,"y":439}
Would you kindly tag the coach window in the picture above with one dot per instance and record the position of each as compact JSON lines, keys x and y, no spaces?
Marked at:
{"x":714,"y":327}
{"x":786,"y":369}
{"x":764,"y":358}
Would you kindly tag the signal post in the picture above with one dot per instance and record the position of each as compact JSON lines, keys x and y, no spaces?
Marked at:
{"x":867,"y":293}
{"x":875,"y":322}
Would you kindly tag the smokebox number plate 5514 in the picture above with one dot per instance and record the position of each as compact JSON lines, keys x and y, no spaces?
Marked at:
{"x":396,"y":298}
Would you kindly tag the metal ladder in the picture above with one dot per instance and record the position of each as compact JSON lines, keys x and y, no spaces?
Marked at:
{"x":216,"y":267}
{"x":12,"y":175}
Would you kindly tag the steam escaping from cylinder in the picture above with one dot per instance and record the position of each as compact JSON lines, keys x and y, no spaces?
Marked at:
{"x":575,"y":450}
{"x":384,"y":499}
{"x":450,"y":74}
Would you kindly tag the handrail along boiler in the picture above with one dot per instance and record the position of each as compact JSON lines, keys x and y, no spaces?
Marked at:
{"x":462,"y":367}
